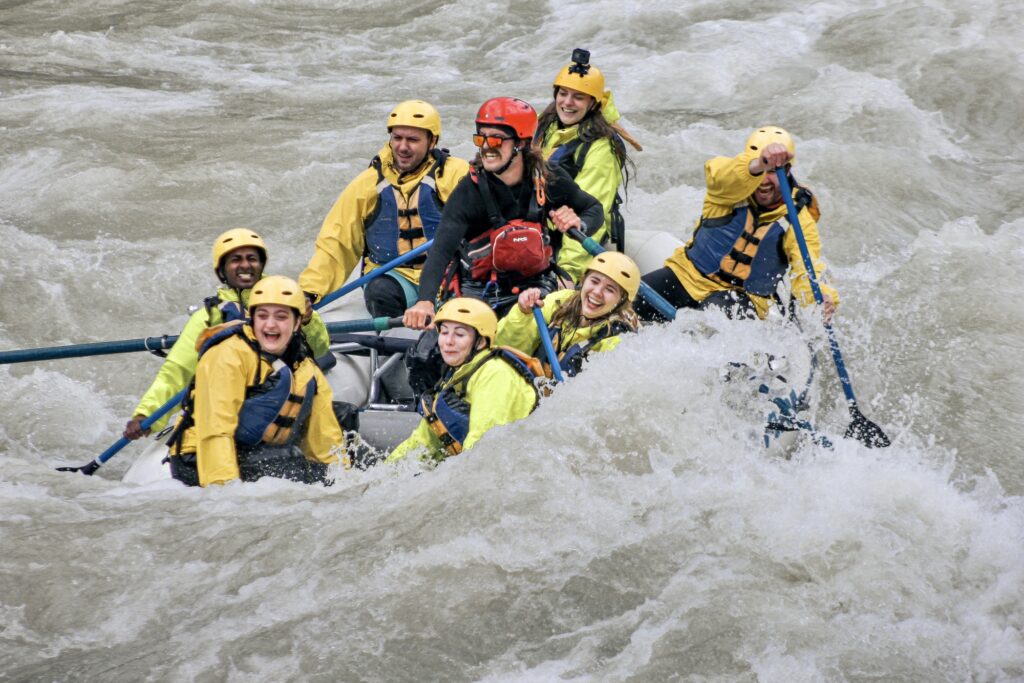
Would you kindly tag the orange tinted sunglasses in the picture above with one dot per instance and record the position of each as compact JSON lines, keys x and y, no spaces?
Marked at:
{"x":492,"y":141}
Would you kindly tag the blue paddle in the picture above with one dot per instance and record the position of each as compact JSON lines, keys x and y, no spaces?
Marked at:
{"x":376,"y":272}
{"x":667,"y":310}
{"x":122,"y":442}
{"x":549,"y":348}
{"x":166,"y":341}
{"x":342,"y":327}
{"x":862,"y":429}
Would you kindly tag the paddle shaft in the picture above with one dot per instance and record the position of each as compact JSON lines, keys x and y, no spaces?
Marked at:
{"x":376,"y":272}
{"x":833,"y":343}
{"x":549,"y":348}
{"x":667,"y":310}
{"x":92,"y":349}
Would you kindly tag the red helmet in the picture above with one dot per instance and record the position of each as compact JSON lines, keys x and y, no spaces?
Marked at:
{"x":511,"y":113}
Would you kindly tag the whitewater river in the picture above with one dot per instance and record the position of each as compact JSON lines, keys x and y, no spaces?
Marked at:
{"x":632,"y":528}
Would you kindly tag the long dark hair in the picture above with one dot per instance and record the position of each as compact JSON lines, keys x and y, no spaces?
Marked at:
{"x":592,"y":127}
{"x":567,"y":317}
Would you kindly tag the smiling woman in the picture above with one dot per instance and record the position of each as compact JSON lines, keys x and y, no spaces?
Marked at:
{"x":483,"y":385}
{"x":259,"y":406}
{"x":584,"y":320}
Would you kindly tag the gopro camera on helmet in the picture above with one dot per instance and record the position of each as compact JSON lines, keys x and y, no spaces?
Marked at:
{"x":580,"y":62}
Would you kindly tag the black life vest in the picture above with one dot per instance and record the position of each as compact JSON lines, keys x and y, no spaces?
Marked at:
{"x":511,"y":250}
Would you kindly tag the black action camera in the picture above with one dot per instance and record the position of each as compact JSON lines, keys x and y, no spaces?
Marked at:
{"x":580,"y":62}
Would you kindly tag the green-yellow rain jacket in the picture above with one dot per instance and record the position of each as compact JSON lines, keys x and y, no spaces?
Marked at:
{"x":497,"y":394}
{"x":600,"y":177}
{"x":519,"y":330}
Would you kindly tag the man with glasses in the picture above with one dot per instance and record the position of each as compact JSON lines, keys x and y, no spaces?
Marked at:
{"x":390,"y":208}
{"x":493,"y":241}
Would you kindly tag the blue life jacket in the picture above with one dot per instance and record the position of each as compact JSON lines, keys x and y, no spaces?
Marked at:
{"x":398,"y":225}
{"x":571,"y":359}
{"x":739,"y":251}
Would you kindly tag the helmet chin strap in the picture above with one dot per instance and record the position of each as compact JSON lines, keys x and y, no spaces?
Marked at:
{"x":504,"y":167}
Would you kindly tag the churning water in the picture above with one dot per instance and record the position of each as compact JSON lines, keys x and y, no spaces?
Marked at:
{"x":632,"y":528}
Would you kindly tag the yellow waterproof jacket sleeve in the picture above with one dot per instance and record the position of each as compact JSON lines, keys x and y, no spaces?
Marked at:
{"x":222,"y":376}
{"x":497,"y":395}
{"x":342,"y":239}
{"x":600,"y":177}
{"x":180,"y":365}
{"x":519,"y":330}
{"x":421,"y":439}
{"x":177,"y":369}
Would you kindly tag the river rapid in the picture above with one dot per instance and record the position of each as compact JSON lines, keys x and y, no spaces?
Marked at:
{"x":632,"y":529}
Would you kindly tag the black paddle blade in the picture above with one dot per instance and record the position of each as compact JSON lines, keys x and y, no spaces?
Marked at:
{"x":866,"y":431}
{"x":84,"y":469}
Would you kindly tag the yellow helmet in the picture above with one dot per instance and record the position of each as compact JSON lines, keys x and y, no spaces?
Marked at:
{"x":580,"y":75}
{"x":620,"y":268}
{"x":416,"y":114}
{"x":280,"y":290}
{"x":472,"y":313}
{"x":766,"y":135}
{"x":236,"y":238}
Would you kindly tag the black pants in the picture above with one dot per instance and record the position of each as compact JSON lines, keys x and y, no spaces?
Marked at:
{"x":384,"y":297}
{"x":283,"y":462}
{"x":734,"y":302}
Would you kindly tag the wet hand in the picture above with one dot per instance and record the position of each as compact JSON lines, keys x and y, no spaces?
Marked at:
{"x":828,"y":308}
{"x":530,"y":298}
{"x":419,"y":316}
{"x":133,"y":429}
{"x":773,"y":156}
{"x":308,"y":314}
{"x":565,"y":219}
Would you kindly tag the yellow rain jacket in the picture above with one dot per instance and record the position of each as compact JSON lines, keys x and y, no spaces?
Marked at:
{"x":497,"y":394}
{"x":342,"y":239}
{"x":519,"y":330}
{"x":730,"y":183}
{"x":600,"y":177}
{"x":180,"y":364}
{"x":224,"y":373}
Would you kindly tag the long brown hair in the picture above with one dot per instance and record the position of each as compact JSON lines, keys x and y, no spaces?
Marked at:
{"x":567,"y":317}
{"x":592,"y":127}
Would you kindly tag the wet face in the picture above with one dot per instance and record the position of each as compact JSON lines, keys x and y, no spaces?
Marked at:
{"x":599,"y":295}
{"x":242,"y":267}
{"x":456,"y":342}
{"x":409,"y":146}
{"x":496,"y":147}
{"x":274,"y":326}
{"x":572,"y":105}
{"x":767,"y":195}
